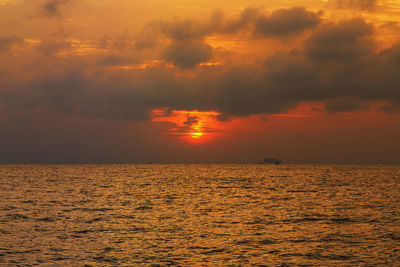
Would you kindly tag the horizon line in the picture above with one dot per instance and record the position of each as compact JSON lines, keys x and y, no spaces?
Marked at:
{"x":197,"y":163}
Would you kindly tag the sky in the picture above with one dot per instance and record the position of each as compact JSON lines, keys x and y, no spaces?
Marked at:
{"x":199,"y":81}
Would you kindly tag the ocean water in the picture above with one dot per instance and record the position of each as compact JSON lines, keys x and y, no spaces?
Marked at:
{"x":199,"y":215}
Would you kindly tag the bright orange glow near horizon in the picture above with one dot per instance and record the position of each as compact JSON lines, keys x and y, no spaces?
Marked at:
{"x":194,"y":126}
{"x":199,"y":127}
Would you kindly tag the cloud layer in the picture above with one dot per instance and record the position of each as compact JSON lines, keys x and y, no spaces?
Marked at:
{"x":188,"y":47}
{"x":335,"y":62}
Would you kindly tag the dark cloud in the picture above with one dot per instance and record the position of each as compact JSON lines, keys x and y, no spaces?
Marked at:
{"x":368,"y":5}
{"x":392,"y":55}
{"x":284,"y":22}
{"x":185,"y":30}
{"x":345,"y":104}
{"x":52,"y":8}
{"x":187,"y":54}
{"x":338,"y":64}
{"x":385,"y":78}
{"x":281,"y":22}
{"x":346,"y":40}
{"x":286,"y":71}
{"x":187,"y":37}
{"x":187,"y":46}
{"x":246,"y":18}
{"x":178,"y":31}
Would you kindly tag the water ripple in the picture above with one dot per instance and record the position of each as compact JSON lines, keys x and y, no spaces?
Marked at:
{"x":199,"y":215}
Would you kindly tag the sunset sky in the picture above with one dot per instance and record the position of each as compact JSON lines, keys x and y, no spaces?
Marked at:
{"x":93,"y":81}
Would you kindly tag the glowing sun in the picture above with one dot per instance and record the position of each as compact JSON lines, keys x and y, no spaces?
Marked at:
{"x":192,"y":125}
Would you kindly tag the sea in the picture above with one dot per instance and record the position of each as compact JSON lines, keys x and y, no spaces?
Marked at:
{"x":200,"y":215}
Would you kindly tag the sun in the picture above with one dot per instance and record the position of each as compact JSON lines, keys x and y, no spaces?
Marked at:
{"x":196,"y":135}
{"x":192,"y":125}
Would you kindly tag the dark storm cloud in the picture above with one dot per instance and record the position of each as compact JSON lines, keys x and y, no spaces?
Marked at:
{"x":52,"y":8}
{"x":369,"y":5}
{"x":284,"y":22}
